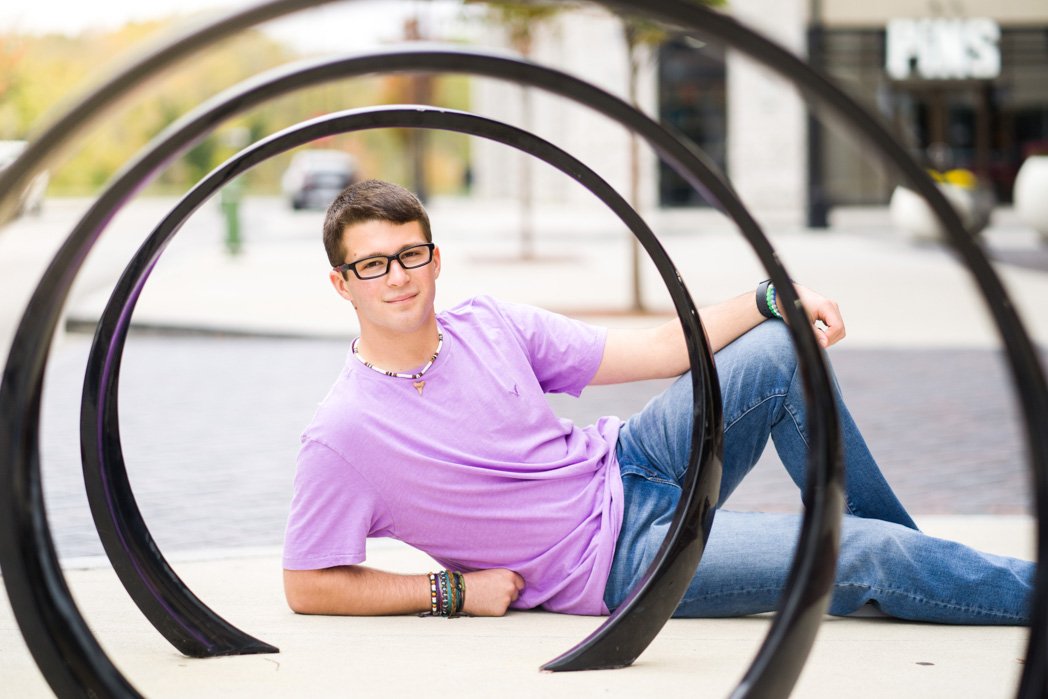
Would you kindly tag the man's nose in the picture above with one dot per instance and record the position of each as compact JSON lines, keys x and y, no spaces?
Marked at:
{"x":397,"y":273}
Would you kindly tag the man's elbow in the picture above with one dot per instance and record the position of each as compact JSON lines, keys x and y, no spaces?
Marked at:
{"x":302,"y":590}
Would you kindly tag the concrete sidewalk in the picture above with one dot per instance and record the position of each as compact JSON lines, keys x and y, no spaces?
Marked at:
{"x":895,"y":295}
{"x":482,"y":657}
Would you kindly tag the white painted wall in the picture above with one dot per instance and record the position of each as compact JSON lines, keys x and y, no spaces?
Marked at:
{"x":588,"y":44}
{"x":766,"y":119}
{"x":767,"y":122}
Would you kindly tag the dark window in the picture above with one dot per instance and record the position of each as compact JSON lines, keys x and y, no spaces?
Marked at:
{"x":986,"y":126}
{"x":692,"y":99}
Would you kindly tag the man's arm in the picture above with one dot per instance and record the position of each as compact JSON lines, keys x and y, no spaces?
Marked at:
{"x":660,"y":352}
{"x":362,"y":591}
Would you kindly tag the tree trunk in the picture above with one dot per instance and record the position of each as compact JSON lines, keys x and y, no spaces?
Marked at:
{"x":636,"y":292}
{"x":527,"y":199}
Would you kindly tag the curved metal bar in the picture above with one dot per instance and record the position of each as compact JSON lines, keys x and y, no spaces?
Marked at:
{"x":628,"y":642}
{"x":100,"y":392}
{"x":577,"y":659}
{"x":67,"y":653}
{"x":97,"y":101}
{"x":55,"y":632}
{"x":70,"y":257}
{"x":785,"y":62}
{"x":775,"y":672}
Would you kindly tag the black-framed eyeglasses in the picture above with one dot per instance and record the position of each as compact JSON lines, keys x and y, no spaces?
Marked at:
{"x":378,"y":265}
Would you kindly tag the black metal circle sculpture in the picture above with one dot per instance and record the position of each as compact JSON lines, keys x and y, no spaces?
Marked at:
{"x":144,"y":572}
{"x":626,"y":634}
{"x":26,"y":550}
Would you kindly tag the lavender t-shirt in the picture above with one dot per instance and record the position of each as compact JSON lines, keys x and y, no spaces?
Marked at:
{"x":478,"y":471}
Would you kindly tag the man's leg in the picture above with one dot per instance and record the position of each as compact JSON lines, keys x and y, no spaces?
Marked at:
{"x":762,"y":397}
{"x":762,"y":394}
{"x":748,"y":556}
{"x":907,"y":574}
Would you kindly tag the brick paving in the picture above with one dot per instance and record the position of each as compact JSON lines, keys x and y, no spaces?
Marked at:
{"x":210,"y":429}
{"x":211,"y":423}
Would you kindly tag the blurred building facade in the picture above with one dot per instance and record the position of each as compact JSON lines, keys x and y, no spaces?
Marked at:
{"x":963,"y":83}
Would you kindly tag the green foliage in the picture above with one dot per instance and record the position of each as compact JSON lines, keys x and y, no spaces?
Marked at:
{"x":39,"y":73}
{"x":521,"y":18}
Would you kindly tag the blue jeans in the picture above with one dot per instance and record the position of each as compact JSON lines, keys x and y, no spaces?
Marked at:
{"x":884,"y":559}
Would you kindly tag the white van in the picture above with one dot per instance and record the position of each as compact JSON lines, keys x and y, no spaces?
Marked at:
{"x":315,"y":177}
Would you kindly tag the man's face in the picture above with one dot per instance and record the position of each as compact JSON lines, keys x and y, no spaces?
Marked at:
{"x":401,"y":301}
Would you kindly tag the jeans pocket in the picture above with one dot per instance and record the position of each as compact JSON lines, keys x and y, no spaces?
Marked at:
{"x":649,"y":502}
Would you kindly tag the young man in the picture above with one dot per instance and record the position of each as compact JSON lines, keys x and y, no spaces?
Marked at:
{"x":437,"y":433}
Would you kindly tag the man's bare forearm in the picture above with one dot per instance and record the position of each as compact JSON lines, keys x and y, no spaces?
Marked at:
{"x":362,"y":591}
{"x":727,"y":321}
{"x":660,"y":352}
{"x":355,"y":591}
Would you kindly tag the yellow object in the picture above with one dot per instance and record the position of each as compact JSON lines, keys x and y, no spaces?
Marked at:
{"x":961,"y":178}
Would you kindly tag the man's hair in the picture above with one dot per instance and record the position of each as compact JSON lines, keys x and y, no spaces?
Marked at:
{"x":370,"y":200}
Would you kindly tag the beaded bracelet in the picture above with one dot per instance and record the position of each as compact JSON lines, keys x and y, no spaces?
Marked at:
{"x":434,"y":600}
{"x":447,"y":593}
{"x":772,"y":302}
{"x":766,"y":300}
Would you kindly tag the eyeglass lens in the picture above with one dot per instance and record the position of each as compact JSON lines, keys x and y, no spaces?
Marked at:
{"x":412,"y":257}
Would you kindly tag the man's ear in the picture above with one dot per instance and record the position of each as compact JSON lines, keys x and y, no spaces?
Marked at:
{"x":436,"y":261}
{"x":341,"y":287}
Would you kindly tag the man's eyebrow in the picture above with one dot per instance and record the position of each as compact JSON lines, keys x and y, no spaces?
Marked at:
{"x":366,"y":255}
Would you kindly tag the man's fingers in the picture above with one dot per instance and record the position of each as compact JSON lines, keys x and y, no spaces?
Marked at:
{"x":824,"y":315}
{"x":518,"y":585}
{"x":832,"y":324}
{"x":834,"y":335}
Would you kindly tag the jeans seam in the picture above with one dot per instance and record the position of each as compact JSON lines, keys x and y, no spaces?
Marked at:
{"x":734,"y":592}
{"x":786,"y":406}
{"x":753,"y":407}
{"x":649,"y":476}
{"x":791,"y":410}
{"x":985,"y":611}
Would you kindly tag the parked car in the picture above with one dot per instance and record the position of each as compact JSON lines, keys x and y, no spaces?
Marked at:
{"x":315,"y":177}
{"x":33,"y":197}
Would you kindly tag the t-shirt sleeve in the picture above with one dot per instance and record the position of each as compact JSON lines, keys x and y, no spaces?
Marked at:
{"x":333,"y":511}
{"x":564,"y":353}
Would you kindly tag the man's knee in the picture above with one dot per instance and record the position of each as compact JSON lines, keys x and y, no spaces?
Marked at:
{"x":766,"y":349}
{"x":773,"y":337}
{"x":871,"y":549}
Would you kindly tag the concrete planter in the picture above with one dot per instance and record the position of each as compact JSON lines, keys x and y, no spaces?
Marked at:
{"x":911,"y":214}
{"x":1031,"y":194}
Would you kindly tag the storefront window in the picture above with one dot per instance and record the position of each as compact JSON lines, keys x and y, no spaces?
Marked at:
{"x":692,"y":99}
{"x":987,"y":126}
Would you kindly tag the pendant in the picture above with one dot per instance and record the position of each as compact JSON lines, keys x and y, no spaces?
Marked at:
{"x":419,"y":385}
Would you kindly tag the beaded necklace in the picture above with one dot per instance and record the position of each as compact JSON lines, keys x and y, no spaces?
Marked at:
{"x":419,"y":385}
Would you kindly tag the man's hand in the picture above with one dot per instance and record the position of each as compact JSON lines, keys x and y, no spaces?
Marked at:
{"x":823,"y":314}
{"x":490,"y":592}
